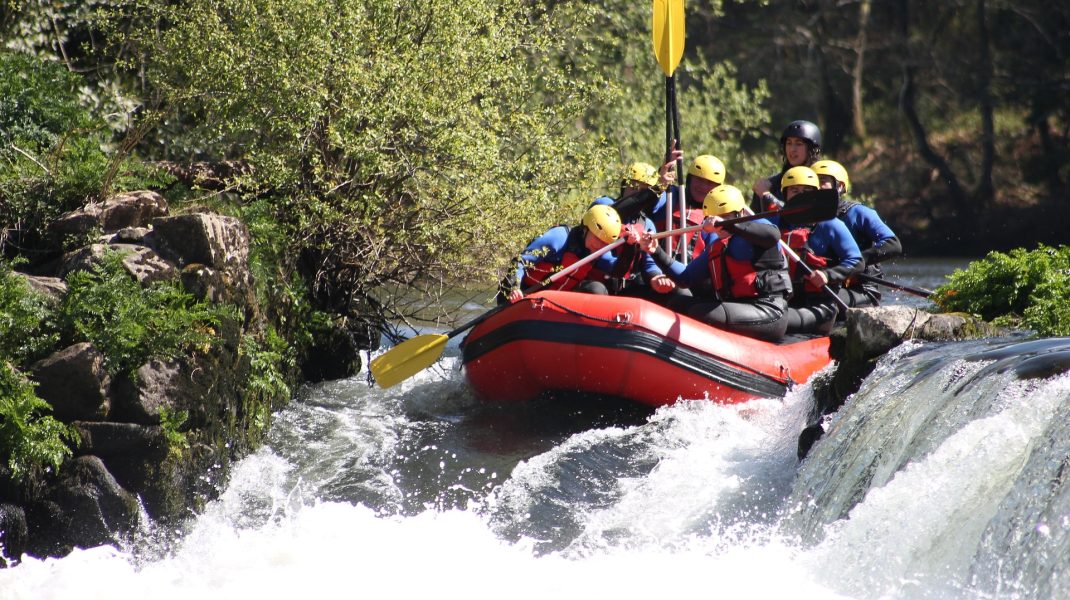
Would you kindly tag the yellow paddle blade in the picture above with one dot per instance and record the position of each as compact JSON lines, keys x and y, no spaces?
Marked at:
{"x":668,"y":26}
{"x":407,"y":359}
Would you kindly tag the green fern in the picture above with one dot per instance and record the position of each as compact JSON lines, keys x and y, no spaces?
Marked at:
{"x":30,"y":439}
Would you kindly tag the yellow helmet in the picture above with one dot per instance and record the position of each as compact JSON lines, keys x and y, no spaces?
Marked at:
{"x":708,"y":167}
{"x":799,"y":176}
{"x":603,"y":221}
{"x":723,"y":199}
{"x":640,"y":171}
{"x":833,"y":169}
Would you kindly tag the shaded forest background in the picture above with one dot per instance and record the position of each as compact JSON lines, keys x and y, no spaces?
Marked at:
{"x":377,"y":148}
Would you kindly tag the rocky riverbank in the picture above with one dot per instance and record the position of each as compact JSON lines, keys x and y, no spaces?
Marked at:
{"x":154,"y":441}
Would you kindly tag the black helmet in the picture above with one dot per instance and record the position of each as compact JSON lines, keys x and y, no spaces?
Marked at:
{"x":804,"y":130}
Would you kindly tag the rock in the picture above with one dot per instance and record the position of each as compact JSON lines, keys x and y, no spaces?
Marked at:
{"x":52,"y":288}
{"x":75,"y":383}
{"x":219,"y":286}
{"x":334,"y":353}
{"x":139,"y":399}
{"x":129,"y":235}
{"x":869,"y":334}
{"x":140,"y":261}
{"x":107,"y":440}
{"x":130,"y":209}
{"x":14,"y":533}
{"x":216,"y":241}
{"x":874,"y":331}
{"x":86,"y":504}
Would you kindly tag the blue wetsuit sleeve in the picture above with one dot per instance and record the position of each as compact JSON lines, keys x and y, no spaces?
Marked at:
{"x":839,"y":245}
{"x":549,"y":246}
{"x":693,"y":273}
{"x":874,"y":234}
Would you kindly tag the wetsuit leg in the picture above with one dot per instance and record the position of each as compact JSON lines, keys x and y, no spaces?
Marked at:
{"x":593,"y":287}
{"x":765,"y":318}
{"x":812,"y":317}
{"x":644,"y":291}
{"x":860,"y":296}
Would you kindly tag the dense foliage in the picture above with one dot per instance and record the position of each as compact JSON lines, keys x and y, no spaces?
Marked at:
{"x":53,"y":151}
{"x":30,"y":439}
{"x":1022,"y":288}
{"x":23,"y":320}
{"x":130,"y":323}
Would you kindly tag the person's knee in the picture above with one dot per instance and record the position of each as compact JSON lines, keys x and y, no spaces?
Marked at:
{"x":593,"y":287}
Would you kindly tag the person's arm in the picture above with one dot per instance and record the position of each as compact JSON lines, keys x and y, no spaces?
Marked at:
{"x":760,"y":233}
{"x":692,"y":274}
{"x":845,"y":249}
{"x":547,"y":247}
{"x":644,"y":201}
{"x":885,"y":243}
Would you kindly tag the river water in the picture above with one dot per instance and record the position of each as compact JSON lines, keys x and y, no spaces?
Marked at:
{"x":943,"y":477}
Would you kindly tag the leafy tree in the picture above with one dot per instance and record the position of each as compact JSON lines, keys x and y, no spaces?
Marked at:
{"x":53,"y":151}
{"x":402,"y":145}
{"x":718,"y":114}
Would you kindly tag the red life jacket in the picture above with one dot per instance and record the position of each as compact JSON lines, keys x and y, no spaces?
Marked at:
{"x":542,"y":270}
{"x":732,"y":278}
{"x":694,"y":240}
{"x":628,"y":256}
{"x":799,"y":241}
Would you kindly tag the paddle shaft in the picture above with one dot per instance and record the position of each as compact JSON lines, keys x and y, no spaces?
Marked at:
{"x":805,"y":267}
{"x":546,"y":282}
{"x":924,"y":293}
{"x":807,"y":210}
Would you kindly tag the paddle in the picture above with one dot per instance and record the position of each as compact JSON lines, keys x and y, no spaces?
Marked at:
{"x":416,"y":354}
{"x":805,"y":267}
{"x":924,"y":293}
{"x":667,"y":26}
{"x":807,"y":207}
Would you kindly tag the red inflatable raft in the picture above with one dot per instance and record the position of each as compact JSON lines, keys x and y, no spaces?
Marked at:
{"x":629,"y":348}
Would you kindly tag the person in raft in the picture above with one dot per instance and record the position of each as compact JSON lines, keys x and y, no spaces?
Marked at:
{"x":800,"y":146}
{"x":635,"y":274}
{"x":642,"y":187}
{"x":560,"y":247}
{"x":876,"y":240}
{"x":829,"y":250}
{"x":705,"y":173}
{"x":747,"y":273}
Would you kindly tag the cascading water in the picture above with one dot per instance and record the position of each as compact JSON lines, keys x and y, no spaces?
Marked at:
{"x":943,"y":477}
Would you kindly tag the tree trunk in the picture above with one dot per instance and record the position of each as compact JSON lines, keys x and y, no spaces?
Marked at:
{"x":859,"y":118}
{"x":960,"y":199}
{"x":985,"y":191}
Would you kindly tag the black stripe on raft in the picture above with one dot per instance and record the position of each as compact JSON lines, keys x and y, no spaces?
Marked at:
{"x":596,"y":336}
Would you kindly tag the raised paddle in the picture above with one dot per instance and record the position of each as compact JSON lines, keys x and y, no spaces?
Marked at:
{"x":416,"y":354}
{"x":924,"y":293}
{"x":667,"y":26}
{"x":807,"y":207}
